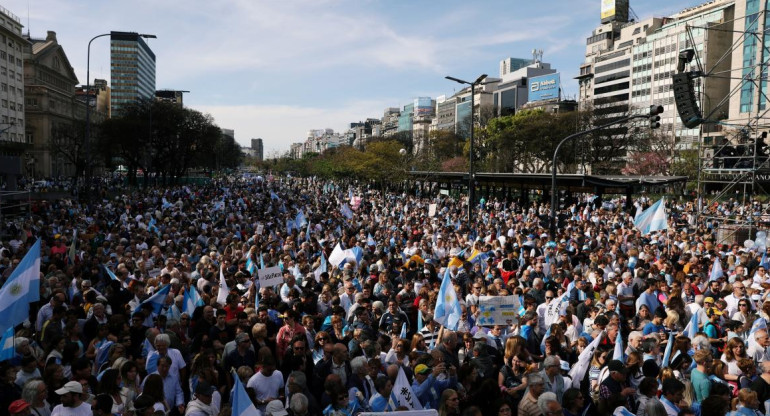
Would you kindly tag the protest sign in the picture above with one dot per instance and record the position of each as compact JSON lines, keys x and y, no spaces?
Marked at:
{"x":498,"y":310}
{"x":270,"y":276}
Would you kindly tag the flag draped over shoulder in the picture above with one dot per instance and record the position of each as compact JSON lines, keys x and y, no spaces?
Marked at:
{"x":448,"y":309}
{"x":653,"y":218}
{"x":21,"y":288}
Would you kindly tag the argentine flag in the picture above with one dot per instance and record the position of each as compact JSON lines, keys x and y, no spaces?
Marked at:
{"x":157,"y":300}
{"x":653,"y":218}
{"x":21,"y":288}
{"x":448,"y":309}
{"x":692,"y":327}
{"x":619,"y":353}
{"x":242,"y":405}
{"x":716,"y":270}
{"x":322,"y":268}
{"x":7,"y":350}
{"x":667,"y":353}
{"x":191,"y":301}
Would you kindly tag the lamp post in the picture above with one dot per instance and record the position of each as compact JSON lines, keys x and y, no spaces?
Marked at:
{"x":471,"y":188}
{"x":653,"y":113}
{"x":88,"y":103}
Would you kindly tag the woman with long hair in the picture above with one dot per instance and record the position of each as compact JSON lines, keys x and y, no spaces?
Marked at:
{"x":511,"y":379}
{"x":110,"y":385}
{"x":399,"y":354}
{"x":598,"y":361}
{"x":132,"y":384}
{"x":573,"y":402}
{"x":35,"y":393}
{"x":321,"y":338}
{"x":418,"y":343}
{"x":746,"y":404}
{"x":53,"y":376}
{"x":337,"y":331}
{"x":449,"y":404}
{"x":153,"y":387}
{"x":641,"y":319}
{"x":634,"y":363}
{"x":734,"y":351}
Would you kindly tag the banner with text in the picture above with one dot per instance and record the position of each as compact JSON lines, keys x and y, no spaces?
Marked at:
{"x":498,"y":310}
{"x":270,"y":276}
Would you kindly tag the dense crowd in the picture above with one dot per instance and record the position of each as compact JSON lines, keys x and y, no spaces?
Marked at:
{"x":610,"y":321}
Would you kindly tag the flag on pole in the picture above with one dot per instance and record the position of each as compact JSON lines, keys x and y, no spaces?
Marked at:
{"x":157,"y":300}
{"x":72,"y":250}
{"x":578,"y":371}
{"x":404,"y":393}
{"x":667,"y":352}
{"x":419,"y":320}
{"x":716,"y":270}
{"x":7,"y":350}
{"x":619,"y":353}
{"x":21,"y":288}
{"x":322,"y":268}
{"x":242,"y":404}
{"x":653,"y":218}
{"x":110,"y":273}
{"x":448,"y":309}
{"x":192,"y":299}
{"x":223,"y":289}
{"x":692,"y":327}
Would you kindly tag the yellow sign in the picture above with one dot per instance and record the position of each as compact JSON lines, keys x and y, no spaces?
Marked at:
{"x":608,"y":8}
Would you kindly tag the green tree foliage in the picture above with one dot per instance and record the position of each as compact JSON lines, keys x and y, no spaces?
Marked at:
{"x":166,"y":140}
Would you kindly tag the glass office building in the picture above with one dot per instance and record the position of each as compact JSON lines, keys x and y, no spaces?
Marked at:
{"x":132,"y":70}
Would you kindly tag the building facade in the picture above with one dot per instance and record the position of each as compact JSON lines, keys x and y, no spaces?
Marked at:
{"x":259,"y":150}
{"x":14,"y":140}
{"x":132,"y":69}
{"x":55,"y":113}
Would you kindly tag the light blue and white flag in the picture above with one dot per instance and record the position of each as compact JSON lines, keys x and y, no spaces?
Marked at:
{"x":448,"y":309}
{"x":759,"y":323}
{"x":21,"y":288}
{"x":578,"y":370}
{"x":273,"y":195}
{"x":109,"y":272}
{"x":619,"y":353}
{"x":403,"y":331}
{"x":419,"y":320}
{"x":157,"y":300}
{"x":370,"y":241}
{"x":153,"y":227}
{"x":716,"y":270}
{"x":764,"y":262}
{"x":692,"y":327}
{"x":667,"y":352}
{"x":242,"y":404}
{"x":7,"y":350}
{"x":192,"y":299}
{"x":322,"y":268}
{"x":250,"y":266}
{"x":300,"y":219}
{"x":346,"y":211}
{"x":653,"y":218}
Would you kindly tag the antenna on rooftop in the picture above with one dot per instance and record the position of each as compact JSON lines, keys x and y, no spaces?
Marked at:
{"x":537,"y":56}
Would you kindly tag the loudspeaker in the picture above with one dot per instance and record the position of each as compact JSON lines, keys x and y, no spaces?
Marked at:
{"x":686,"y":104}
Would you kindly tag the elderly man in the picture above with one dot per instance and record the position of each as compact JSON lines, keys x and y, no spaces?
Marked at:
{"x":549,"y":405}
{"x":554,"y":382}
{"x":162,"y":349}
{"x":760,"y":350}
{"x":528,"y":404}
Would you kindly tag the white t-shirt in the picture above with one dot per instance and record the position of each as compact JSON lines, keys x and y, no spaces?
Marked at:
{"x":83,"y":410}
{"x":266,"y":387}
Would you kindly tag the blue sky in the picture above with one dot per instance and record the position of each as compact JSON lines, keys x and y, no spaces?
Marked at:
{"x":276,"y":69}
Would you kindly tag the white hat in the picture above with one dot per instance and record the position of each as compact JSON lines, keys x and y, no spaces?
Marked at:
{"x":70,"y":387}
{"x":275,"y":408}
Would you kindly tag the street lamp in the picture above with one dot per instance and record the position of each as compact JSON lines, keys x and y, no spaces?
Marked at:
{"x":88,"y":102}
{"x":471,"y":188}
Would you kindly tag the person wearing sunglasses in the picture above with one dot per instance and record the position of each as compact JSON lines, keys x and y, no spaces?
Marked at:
{"x":735,"y":298}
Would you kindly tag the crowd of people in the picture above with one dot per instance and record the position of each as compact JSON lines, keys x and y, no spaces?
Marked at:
{"x":610,"y":321}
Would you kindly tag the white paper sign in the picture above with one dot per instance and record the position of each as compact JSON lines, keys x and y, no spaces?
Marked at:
{"x":153,"y":272}
{"x":432,"y":210}
{"x":498,"y":310}
{"x":260,"y":228}
{"x":554,"y":308}
{"x":270,"y":276}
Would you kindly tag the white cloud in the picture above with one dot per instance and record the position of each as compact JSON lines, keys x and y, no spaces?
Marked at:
{"x":279,"y":126}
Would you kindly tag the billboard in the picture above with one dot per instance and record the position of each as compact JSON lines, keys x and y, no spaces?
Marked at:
{"x":614,"y":10}
{"x":608,"y":9}
{"x":544,"y":87}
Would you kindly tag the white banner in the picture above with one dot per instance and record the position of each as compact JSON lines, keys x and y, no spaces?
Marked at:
{"x":554,"y":308}
{"x":270,"y":276}
{"x":498,"y":310}
{"x":403,"y":391}
{"x":260,"y":228}
{"x":432,"y":210}
{"x":337,"y":256}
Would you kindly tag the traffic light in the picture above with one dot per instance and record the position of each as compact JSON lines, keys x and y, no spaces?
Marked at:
{"x":655,"y":111}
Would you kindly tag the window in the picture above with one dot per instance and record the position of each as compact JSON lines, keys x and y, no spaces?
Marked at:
{"x":4,"y":103}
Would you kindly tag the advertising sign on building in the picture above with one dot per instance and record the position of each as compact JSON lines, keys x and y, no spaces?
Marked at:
{"x":544,"y":87}
{"x":423,"y":106}
{"x":608,"y":9}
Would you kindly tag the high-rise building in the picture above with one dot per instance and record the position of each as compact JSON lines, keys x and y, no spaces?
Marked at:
{"x":14,"y":139}
{"x":258,"y":148}
{"x":509,"y":65}
{"x":132,"y":69}
{"x":171,"y":96}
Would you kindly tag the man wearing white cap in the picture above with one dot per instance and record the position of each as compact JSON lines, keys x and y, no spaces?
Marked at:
{"x":71,"y":403}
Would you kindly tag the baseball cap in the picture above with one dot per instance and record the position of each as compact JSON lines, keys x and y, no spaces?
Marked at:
{"x":70,"y":387}
{"x":275,"y":408}
{"x":713,"y":311}
{"x":708,"y":300}
{"x":421,"y":369}
{"x":18,"y":406}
